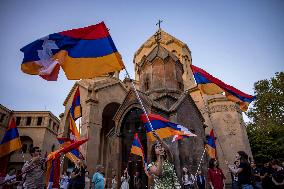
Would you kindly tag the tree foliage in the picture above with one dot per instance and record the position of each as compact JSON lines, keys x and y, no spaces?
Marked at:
{"x":266,"y":129}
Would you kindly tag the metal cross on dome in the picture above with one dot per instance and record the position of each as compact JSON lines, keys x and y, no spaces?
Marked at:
{"x":158,"y":33}
{"x":159,"y":23}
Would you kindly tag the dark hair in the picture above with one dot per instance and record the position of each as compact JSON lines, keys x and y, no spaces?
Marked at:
{"x":275,"y":162}
{"x":12,"y":168}
{"x":211,"y":163}
{"x":243,"y":157}
{"x":153,"y":152}
{"x":183,"y":173}
{"x":186,"y":168}
{"x":32,"y":150}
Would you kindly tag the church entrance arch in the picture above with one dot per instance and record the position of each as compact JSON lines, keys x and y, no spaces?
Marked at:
{"x":131,"y":124}
{"x":107,"y":130}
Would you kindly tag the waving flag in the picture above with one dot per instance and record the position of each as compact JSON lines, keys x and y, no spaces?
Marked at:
{"x":163,"y":127}
{"x":53,"y":174}
{"x":137,"y":149}
{"x":211,"y":85}
{"x":11,"y":140}
{"x":82,"y":53}
{"x":73,"y":131}
{"x":211,"y":146}
{"x":65,"y":149}
{"x":76,"y":109}
{"x":74,"y":155}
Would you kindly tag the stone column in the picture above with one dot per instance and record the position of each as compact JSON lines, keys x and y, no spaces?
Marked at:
{"x":91,"y":128}
{"x":230,"y":131}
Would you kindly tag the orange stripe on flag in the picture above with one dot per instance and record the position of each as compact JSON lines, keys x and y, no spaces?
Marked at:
{"x":137,"y":151}
{"x":10,"y":146}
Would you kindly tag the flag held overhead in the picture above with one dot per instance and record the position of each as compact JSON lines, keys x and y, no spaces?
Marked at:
{"x":11,"y":140}
{"x":163,"y":127}
{"x":137,"y":148}
{"x":211,"y":145}
{"x":82,"y":53}
{"x":76,"y":109}
{"x":211,"y":85}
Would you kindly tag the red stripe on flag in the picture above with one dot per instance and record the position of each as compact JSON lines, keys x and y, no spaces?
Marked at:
{"x":90,"y":32}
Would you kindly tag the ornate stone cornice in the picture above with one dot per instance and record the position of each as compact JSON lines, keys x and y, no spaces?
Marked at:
{"x":91,"y":100}
{"x":5,"y":108}
{"x":193,"y":89}
{"x":224,"y":108}
{"x":110,"y":84}
{"x":219,"y":99}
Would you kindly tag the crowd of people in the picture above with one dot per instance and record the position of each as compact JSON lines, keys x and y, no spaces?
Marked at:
{"x":245,"y":174}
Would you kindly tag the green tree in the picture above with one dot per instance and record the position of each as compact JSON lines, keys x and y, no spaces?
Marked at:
{"x":266,"y":129}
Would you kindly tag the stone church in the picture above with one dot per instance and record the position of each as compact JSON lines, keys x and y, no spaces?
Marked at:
{"x":166,"y":86}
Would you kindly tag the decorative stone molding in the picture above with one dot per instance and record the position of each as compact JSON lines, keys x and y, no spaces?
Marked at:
{"x":203,"y":111}
{"x":224,"y":108}
{"x":230,"y":124}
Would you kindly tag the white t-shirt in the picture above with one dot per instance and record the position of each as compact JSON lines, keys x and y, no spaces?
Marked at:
{"x":12,"y":178}
{"x":188,"y":179}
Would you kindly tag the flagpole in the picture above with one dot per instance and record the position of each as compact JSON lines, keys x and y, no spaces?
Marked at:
{"x":62,"y":160}
{"x":140,"y":101}
{"x":23,"y":155}
{"x":207,"y":108}
{"x":201,"y":159}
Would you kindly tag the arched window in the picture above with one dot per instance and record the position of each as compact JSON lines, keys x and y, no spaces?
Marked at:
{"x":27,"y":143}
{"x":147,"y":84}
{"x":53,"y":148}
{"x":24,"y":148}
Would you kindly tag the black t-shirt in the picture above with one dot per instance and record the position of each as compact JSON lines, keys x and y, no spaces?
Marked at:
{"x":244,"y":177}
{"x":278,"y":175}
{"x":80,"y":179}
{"x":256,"y":171}
{"x":266,"y":181}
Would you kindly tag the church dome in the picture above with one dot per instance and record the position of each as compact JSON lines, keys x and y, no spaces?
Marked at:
{"x":169,"y":42}
{"x":173,"y":46}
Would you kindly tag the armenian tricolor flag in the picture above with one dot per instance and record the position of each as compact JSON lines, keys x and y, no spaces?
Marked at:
{"x":53,"y":174}
{"x":211,"y":85}
{"x":82,"y":53}
{"x":137,"y":148}
{"x":163,"y":127}
{"x":76,"y":109}
{"x":211,"y":145}
{"x":65,"y":149}
{"x":73,"y":131}
{"x":11,"y":140}
{"x":74,"y":155}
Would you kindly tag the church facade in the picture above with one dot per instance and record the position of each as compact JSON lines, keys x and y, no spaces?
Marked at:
{"x":111,"y":111}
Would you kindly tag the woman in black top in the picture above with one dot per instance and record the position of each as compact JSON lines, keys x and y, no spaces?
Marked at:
{"x":277,"y":175}
{"x":78,"y":176}
{"x":243,"y":171}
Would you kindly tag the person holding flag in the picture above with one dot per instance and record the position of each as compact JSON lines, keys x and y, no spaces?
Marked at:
{"x":35,"y":170}
{"x":162,"y":167}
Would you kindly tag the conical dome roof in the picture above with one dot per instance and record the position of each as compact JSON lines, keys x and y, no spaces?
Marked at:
{"x":167,"y":41}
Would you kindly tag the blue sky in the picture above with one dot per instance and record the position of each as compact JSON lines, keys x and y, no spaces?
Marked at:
{"x":240,"y":42}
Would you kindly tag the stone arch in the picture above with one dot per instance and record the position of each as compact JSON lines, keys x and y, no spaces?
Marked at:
{"x":27,"y":143}
{"x":107,"y":130}
{"x":129,"y":125}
